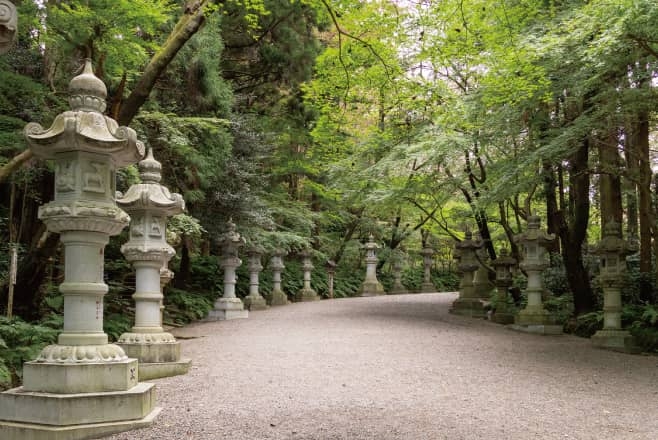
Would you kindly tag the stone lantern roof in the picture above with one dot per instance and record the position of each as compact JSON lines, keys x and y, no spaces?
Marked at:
{"x":150,"y":195}
{"x":371,"y":245}
{"x":612,"y":241}
{"x":85,"y":127}
{"x":533,"y":233}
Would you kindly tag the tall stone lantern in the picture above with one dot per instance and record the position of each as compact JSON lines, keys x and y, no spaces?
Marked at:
{"x":398,"y":287}
{"x":229,"y":306}
{"x":82,"y":386}
{"x":504,"y":313}
{"x":371,"y":285}
{"x":255,"y":301}
{"x":427,"y":286}
{"x":150,"y":204}
{"x":612,"y":250}
{"x":277,"y":297}
{"x":8,"y":25}
{"x":468,"y":303}
{"x":534,"y":318}
{"x":307,"y":293}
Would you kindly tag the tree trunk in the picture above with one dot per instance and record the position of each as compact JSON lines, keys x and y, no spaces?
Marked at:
{"x":182,"y":277}
{"x":552,"y":210}
{"x":609,"y":179}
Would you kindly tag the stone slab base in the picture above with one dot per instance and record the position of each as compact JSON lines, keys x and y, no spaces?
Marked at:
{"x":278,"y":298}
{"x":502,"y":318}
{"x":397,"y":292}
{"x":152,"y":353}
{"x":31,"y":431}
{"x":224,"y":315}
{"x":156,"y":370}
{"x":427,"y":288}
{"x":83,"y":377}
{"x":468,"y":307}
{"x":255,"y":303}
{"x":20,"y":406}
{"x":617,"y":340}
{"x":371,"y":289}
{"x":538,"y":329}
{"x":307,"y":295}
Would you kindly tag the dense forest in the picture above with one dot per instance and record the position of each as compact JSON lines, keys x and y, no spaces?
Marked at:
{"x":313,"y":124}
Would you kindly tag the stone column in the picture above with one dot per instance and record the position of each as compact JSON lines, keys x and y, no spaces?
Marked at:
{"x":468,"y":303}
{"x":504,"y":313}
{"x":427,"y":286}
{"x":398,"y":287}
{"x":534,"y":318}
{"x":307,"y":293}
{"x":8,"y":25}
{"x":149,"y":204}
{"x":254,"y":301}
{"x":371,"y":285}
{"x":612,"y":250}
{"x":81,"y":387}
{"x":277,"y":297}
{"x":229,"y":306}
{"x":330,"y":266}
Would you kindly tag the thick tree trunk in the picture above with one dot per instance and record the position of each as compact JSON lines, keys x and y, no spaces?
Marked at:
{"x":573,"y":231}
{"x":552,"y":210}
{"x":610,"y":180}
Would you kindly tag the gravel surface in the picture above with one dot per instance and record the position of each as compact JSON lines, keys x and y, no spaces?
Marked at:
{"x":398,"y":367}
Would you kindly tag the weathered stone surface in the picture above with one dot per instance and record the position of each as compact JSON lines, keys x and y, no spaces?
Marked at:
{"x":468,"y":303}
{"x":307,"y":293}
{"x":277,"y":297}
{"x":8,"y":25}
{"x":157,"y":370}
{"x":371,"y":285}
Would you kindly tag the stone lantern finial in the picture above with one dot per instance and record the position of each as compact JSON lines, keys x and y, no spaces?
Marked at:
{"x":150,"y":170}
{"x":87,"y":92}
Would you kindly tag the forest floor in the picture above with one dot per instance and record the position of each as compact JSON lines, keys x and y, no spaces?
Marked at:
{"x":398,"y":367}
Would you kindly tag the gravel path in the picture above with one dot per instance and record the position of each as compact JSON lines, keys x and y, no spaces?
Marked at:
{"x":398,"y":367}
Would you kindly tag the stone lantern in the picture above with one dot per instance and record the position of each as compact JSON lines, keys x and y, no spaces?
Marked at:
{"x":81,"y":387}
{"x":8,"y":25}
{"x":504,"y":313}
{"x":229,"y":306}
{"x":427,"y":286}
{"x":468,"y":303}
{"x":255,"y":301}
{"x":398,"y":287}
{"x":483,"y":287}
{"x":534,"y":318}
{"x":371,"y":285}
{"x":277,"y":297}
{"x":612,"y":250}
{"x":307,"y":293}
{"x":330,"y":267}
{"x":150,"y":204}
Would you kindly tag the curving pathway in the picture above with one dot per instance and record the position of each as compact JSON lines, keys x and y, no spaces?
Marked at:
{"x":398,"y":367}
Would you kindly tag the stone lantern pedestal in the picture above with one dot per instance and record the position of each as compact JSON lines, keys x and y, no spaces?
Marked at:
{"x":398,"y":288}
{"x":82,"y":387}
{"x":229,"y":306}
{"x":149,"y":204}
{"x":8,"y":25}
{"x":468,"y":303}
{"x":505,"y":311}
{"x":612,"y":250}
{"x":307,"y":293}
{"x":371,"y":285}
{"x":427,"y":286}
{"x":534,"y":318}
{"x":255,"y":301}
{"x":277,"y":297}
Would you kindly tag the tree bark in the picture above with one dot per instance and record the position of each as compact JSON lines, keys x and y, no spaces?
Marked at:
{"x":609,"y":179}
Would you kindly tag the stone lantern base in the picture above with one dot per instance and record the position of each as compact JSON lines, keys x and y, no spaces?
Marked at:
{"x":398,"y":289}
{"x":536,"y":320}
{"x":255,"y":302}
{"x":307,"y":294}
{"x":473,"y":307}
{"x":227,"y":308}
{"x":156,"y":359}
{"x":71,"y":401}
{"x":427,"y":288}
{"x":617,"y":340}
{"x":277,"y":298}
{"x":371,"y":288}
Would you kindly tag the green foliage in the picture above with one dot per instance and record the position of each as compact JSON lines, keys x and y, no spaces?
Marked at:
{"x":20,"y":342}
{"x":183,"y":307}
